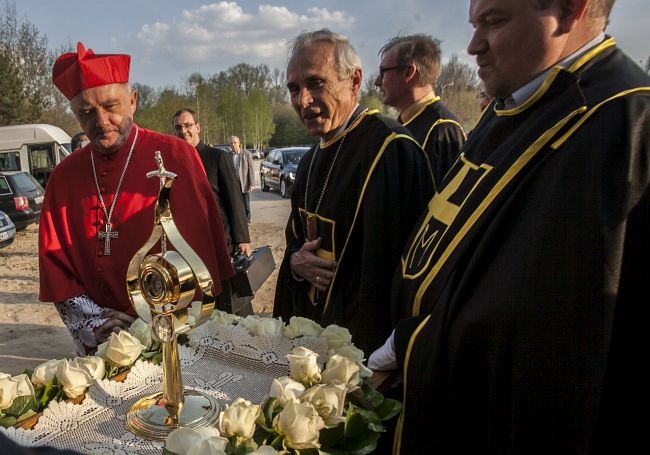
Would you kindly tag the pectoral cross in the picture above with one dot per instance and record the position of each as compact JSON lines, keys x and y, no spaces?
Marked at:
{"x":107,"y":235}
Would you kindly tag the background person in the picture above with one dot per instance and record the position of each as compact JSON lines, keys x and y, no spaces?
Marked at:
{"x":78,"y":141}
{"x":243,"y":162}
{"x":99,"y":205}
{"x":355,"y":198}
{"x":529,"y":263}
{"x":409,"y":69}
{"x":225,"y":186}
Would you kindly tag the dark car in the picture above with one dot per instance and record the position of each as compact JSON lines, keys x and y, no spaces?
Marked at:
{"x":278,"y":170}
{"x":7,"y":230}
{"x":21,"y":197}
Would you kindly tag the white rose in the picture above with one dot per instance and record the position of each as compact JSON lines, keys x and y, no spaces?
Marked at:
{"x":351,"y":352}
{"x":94,"y":365}
{"x":7,"y":390}
{"x":284,"y":389}
{"x":329,"y":401}
{"x":300,"y":424}
{"x":264,"y":450}
{"x":101,"y":350}
{"x":238,"y":419}
{"x":12,"y":387}
{"x":355,"y":355}
{"x":336,"y":336}
{"x":123,"y":349}
{"x":299,"y":326}
{"x":184,"y":440}
{"x":303,"y":366}
{"x":224,"y":318}
{"x":73,"y":378}
{"x":258,"y":326}
{"x":142,"y":331}
{"x":45,"y":372}
{"x":340,"y":370}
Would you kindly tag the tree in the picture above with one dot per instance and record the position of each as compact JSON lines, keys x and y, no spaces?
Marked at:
{"x":288,"y":129}
{"x":458,"y":86}
{"x":371,"y":97}
{"x":26,"y":55}
{"x":12,"y":98}
{"x":258,"y":123}
{"x":158,"y":117}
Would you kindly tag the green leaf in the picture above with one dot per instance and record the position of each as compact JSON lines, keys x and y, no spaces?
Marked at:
{"x":330,"y":437}
{"x":21,"y":405}
{"x":355,"y":425}
{"x":268,"y":413}
{"x":388,"y":409}
{"x":26,"y":415}
{"x":362,"y":445}
{"x":48,"y":393}
{"x":7,"y":421}
{"x":366,"y":397}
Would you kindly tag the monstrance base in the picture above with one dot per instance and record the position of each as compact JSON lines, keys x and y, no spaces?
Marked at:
{"x":149,"y":419}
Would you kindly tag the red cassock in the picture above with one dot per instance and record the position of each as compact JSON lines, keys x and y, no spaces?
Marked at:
{"x":71,"y":256}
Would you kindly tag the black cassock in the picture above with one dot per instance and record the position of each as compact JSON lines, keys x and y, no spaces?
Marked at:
{"x":378,"y":187}
{"x":439,"y":133}
{"x":531,"y":269}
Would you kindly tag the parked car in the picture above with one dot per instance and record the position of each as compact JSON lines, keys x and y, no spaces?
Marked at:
{"x":7,"y":230}
{"x":256,"y":154}
{"x":278,"y":170}
{"x":21,"y":197}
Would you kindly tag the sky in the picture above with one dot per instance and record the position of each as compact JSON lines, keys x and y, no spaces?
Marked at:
{"x":169,"y":40}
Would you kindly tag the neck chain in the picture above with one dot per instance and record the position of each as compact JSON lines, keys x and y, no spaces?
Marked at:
{"x":329,"y":171}
{"x":107,"y":234}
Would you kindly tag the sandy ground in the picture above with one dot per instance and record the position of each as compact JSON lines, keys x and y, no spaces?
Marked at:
{"x":32,"y":332}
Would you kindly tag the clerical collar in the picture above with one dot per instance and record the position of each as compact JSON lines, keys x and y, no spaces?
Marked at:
{"x":407,"y":114}
{"x":525,"y":92}
{"x":341,"y":128}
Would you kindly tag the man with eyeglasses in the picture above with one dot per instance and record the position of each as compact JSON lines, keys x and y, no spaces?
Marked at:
{"x":409,"y":69}
{"x":221,"y":175}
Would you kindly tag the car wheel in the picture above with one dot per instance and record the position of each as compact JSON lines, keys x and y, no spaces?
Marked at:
{"x":263,"y":183}
{"x":284,"y":189}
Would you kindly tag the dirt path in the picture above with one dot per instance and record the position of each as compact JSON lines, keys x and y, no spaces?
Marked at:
{"x":32,"y":332}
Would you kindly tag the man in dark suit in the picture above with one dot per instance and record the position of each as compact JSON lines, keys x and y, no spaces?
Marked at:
{"x":223,"y":179}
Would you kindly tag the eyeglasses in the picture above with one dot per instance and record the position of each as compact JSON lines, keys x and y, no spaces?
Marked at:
{"x":184,"y":126}
{"x":389,"y":68}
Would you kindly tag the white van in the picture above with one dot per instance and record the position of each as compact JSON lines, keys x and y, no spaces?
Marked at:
{"x":35,"y":148}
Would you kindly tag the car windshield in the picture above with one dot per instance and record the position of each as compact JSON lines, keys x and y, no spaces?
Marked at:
{"x":293,"y":157}
{"x":25,"y":182}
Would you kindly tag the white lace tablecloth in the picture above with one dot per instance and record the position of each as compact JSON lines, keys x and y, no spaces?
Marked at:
{"x":221,"y":360}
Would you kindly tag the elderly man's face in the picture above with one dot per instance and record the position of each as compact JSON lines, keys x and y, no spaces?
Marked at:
{"x":514,"y":41}
{"x":105,"y":113}
{"x":322,"y":101}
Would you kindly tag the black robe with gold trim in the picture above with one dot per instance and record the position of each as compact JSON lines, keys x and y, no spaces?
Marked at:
{"x":377,"y":189}
{"x":439,"y":133}
{"x":531,"y":267}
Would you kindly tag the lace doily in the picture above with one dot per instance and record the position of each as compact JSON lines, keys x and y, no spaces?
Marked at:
{"x":223,"y":361}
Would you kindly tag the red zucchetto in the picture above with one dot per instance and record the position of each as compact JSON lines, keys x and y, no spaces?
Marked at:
{"x":74,"y":72}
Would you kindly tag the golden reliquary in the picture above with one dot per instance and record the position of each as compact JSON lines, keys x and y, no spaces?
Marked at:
{"x":162,"y":289}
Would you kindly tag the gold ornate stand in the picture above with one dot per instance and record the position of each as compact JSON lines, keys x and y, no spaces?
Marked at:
{"x":162,"y":287}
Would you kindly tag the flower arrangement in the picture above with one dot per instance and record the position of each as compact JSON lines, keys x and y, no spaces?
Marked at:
{"x":312,"y":409}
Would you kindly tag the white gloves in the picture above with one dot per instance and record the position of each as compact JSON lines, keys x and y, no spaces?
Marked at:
{"x":384,"y":359}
